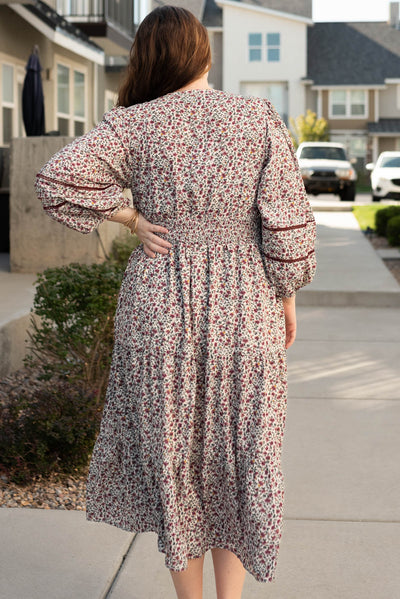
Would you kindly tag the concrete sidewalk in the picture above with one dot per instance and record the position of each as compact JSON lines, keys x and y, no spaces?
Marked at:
{"x":341,"y":535}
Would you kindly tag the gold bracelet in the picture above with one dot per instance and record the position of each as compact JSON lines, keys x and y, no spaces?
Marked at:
{"x":133,"y":222}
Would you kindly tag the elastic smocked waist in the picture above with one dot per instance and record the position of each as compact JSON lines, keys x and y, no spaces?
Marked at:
{"x":211,"y":230}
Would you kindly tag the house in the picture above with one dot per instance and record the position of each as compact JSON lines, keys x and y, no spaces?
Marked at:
{"x":259,"y":47}
{"x":353,"y":80}
{"x":69,"y":59}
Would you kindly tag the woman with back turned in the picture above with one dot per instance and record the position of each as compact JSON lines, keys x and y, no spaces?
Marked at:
{"x":190,"y":440}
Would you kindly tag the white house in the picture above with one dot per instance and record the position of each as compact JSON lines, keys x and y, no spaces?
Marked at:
{"x":265,"y":53}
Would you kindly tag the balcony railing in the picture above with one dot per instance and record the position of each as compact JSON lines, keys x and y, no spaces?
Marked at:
{"x":118,"y":12}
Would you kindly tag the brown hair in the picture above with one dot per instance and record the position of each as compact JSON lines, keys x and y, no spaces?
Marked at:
{"x":171,"y":49}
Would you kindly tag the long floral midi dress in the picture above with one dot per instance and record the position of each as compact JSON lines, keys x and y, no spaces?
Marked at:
{"x":191,"y":435}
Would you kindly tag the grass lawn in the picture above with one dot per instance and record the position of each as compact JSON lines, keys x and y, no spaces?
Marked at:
{"x":366,"y":215}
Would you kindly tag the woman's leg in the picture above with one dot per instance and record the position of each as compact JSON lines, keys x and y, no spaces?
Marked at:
{"x":229,"y":574}
{"x":189,"y":583}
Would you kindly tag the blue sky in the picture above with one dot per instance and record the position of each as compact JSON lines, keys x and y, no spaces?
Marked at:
{"x":350,"y":10}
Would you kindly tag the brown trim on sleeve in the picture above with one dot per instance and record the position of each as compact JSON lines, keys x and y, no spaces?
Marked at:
{"x":54,"y":206}
{"x":290,"y":260}
{"x":288,"y":228}
{"x":39,"y":176}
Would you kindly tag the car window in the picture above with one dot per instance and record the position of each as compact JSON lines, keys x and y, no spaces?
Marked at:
{"x":323,"y":153}
{"x":390,"y":162}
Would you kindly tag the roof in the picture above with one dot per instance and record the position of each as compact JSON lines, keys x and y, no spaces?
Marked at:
{"x":195,"y":6}
{"x":56,"y":22}
{"x":302,"y":8}
{"x":210,"y":14}
{"x":353,"y":53}
{"x":385,"y":126}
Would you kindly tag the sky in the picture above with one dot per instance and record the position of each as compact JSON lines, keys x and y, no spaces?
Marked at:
{"x":350,"y":10}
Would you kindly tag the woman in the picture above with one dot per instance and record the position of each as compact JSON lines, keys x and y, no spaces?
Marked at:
{"x":190,"y":441}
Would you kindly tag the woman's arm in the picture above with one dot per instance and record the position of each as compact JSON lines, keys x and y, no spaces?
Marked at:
{"x":145,"y":230}
{"x":289,"y":307}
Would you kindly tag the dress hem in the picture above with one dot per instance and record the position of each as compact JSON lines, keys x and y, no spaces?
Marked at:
{"x":141,"y":529}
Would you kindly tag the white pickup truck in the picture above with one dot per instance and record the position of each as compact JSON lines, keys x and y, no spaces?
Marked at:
{"x":325,"y":168}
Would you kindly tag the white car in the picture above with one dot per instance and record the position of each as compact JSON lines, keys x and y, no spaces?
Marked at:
{"x":325,"y":168}
{"x":385,"y":176}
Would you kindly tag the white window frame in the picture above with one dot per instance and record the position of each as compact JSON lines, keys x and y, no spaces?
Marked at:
{"x":348,"y":114}
{"x":71,"y":66}
{"x":263,"y":47}
{"x":16,"y":104}
{"x":272,"y":46}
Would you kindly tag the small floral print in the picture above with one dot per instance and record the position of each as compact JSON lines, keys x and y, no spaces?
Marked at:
{"x":191,"y":436}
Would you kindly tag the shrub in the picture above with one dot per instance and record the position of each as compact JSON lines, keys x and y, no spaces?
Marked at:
{"x":382,"y":216}
{"x":73,"y":336}
{"x":122,"y":248}
{"x":393,"y":230}
{"x":52,"y":427}
{"x":50,"y":419}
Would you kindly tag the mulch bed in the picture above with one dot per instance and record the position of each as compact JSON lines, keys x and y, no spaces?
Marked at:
{"x":68,"y":493}
{"x":57,"y":492}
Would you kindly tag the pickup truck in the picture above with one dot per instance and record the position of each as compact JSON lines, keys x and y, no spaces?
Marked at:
{"x":325,"y":168}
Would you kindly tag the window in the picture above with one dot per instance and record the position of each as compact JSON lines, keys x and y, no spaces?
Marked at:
{"x":255,"y":47}
{"x":348,"y":103}
{"x":264,"y":48}
{"x":71,"y":100}
{"x":7,"y":102}
{"x":273,"y":47}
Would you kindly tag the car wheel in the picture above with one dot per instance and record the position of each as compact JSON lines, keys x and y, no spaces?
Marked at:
{"x":375,"y":198}
{"x":348,"y":194}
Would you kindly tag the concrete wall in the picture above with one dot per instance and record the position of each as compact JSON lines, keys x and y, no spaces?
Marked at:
{"x":36,"y":241}
{"x":238,"y":23}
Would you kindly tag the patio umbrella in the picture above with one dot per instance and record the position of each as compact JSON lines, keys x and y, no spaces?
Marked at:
{"x":32,"y":96}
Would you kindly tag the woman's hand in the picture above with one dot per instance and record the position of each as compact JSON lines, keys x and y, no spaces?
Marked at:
{"x":152,"y":243}
{"x":289,"y":307}
{"x":145,"y":230}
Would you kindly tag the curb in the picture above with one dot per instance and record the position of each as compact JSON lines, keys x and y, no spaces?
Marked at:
{"x":361,"y":299}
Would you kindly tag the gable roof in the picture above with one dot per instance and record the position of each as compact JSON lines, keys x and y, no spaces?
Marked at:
{"x":210,"y":14}
{"x":353,"y":53}
{"x":195,"y":6}
{"x":302,"y":8}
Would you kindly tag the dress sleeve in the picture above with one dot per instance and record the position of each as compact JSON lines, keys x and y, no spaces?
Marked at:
{"x":82,"y":184}
{"x":288,"y":224}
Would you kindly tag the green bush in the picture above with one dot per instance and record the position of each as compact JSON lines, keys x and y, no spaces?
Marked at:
{"x":50,"y":429}
{"x":49,"y":421}
{"x":382,"y":216}
{"x":393,"y":230}
{"x":122,"y":248}
{"x":73,"y":336}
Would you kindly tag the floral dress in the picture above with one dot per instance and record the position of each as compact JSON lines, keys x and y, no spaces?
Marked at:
{"x":191,"y":436}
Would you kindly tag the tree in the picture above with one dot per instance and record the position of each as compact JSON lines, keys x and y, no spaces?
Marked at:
{"x":309,"y":128}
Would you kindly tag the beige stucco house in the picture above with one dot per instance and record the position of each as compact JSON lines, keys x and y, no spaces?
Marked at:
{"x":353,"y":80}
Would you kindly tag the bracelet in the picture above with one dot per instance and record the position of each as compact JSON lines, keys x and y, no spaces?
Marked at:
{"x":133,"y":222}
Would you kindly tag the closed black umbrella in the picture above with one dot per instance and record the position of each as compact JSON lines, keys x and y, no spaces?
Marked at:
{"x":32,"y":96}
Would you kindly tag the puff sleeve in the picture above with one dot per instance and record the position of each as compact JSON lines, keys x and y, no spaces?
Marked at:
{"x":83,"y":183}
{"x":288,"y":224}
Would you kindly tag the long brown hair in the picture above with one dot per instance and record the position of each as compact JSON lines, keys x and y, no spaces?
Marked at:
{"x":170,"y":50}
